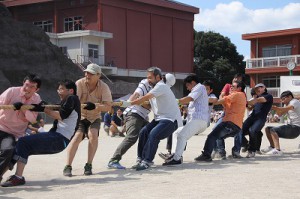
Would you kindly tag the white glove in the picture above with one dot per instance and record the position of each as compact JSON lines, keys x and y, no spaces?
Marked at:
{"x":125,"y":104}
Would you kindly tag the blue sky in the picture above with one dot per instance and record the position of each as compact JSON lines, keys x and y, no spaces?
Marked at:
{"x":234,"y":18}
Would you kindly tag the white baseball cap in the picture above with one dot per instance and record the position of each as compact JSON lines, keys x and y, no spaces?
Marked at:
{"x":93,"y":69}
{"x":170,"y":79}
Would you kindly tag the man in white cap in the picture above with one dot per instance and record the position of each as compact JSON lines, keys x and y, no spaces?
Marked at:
{"x":255,"y":122}
{"x":197,"y":101}
{"x":90,"y":90}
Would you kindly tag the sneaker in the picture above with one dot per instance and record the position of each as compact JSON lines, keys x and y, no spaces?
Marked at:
{"x":172,"y":162}
{"x":88,"y":169}
{"x":219,"y":156}
{"x":236,"y":155}
{"x":250,"y":154}
{"x":67,"y":171}
{"x":138,"y":161}
{"x":121,"y":135}
{"x":275,"y":152}
{"x":267,"y":149}
{"x":203,"y":158}
{"x":115,"y":165}
{"x":142,"y":166}
{"x":244,"y":149}
{"x":258,"y":152}
{"x":13,"y":181}
{"x":166,"y":156}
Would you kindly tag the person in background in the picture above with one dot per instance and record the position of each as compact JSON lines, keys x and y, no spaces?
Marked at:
{"x":107,"y":120}
{"x":211,"y":98}
{"x":116,"y":125}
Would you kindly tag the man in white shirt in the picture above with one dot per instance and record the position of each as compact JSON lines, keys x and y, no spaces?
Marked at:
{"x":167,"y":118}
{"x":289,"y":131}
{"x":197,"y":101}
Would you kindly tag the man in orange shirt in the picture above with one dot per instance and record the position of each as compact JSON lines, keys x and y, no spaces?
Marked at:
{"x":234,"y":106}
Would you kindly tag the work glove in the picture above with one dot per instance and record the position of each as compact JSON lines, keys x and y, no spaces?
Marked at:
{"x":39,"y":107}
{"x":89,"y":106}
{"x":17,"y":105}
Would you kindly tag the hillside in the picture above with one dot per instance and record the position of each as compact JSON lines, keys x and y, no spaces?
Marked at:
{"x":25,"y":48}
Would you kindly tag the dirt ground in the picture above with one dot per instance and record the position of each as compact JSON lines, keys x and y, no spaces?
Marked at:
{"x":259,"y":177}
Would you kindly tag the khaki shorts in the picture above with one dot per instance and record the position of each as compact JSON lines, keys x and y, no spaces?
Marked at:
{"x":85,"y":125}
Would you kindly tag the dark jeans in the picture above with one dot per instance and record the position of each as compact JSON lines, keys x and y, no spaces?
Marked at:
{"x":38,"y":144}
{"x":253,"y":126}
{"x":133,"y":123}
{"x":150,"y":136}
{"x":223,"y":131}
{"x":7,"y":147}
{"x":220,"y":143}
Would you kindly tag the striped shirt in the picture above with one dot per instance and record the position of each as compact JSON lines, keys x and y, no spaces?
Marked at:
{"x":142,"y":89}
{"x":198,"y":108}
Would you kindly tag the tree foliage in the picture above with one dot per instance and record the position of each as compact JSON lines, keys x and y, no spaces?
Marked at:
{"x":216,"y":58}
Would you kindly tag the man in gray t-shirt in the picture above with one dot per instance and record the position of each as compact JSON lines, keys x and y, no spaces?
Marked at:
{"x":289,"y":131}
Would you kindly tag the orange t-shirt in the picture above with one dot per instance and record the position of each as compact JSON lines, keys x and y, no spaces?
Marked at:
{"x":234,"y":107}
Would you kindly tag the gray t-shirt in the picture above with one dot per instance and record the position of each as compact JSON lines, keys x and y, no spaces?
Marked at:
{"x":294,"y":115}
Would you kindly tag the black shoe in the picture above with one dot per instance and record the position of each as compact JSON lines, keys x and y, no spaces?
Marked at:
{"x":203,"y":158}
{"x":166,"y":156}
{"x":88,"y":169}
{"x":172,"y":162}
{"x":236,"y":155}
{"x":67,"y":171}
{"x":244,"y":149}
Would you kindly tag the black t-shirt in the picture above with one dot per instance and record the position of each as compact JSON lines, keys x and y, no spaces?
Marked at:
{"x":261,"y":110}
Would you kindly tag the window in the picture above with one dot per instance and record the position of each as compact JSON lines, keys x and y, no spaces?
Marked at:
{"x":93,"y":50}
{"x":47,"y":26}
{"x":64,"y":50}
{"x":277,"y":50}
{"x":271,"y":82}
{"x":73,"y":23}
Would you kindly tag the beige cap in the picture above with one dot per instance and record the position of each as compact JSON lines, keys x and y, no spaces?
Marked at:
{"x":93,"y":69}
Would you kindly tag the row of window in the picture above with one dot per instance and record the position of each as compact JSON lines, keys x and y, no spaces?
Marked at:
{"x":277,"y":50}
{"x":70,"y":24}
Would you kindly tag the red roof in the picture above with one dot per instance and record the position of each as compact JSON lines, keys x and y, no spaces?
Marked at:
{"x":274,"y":33}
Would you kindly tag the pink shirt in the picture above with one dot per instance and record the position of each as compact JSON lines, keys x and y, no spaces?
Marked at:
{"x":16,"y":122}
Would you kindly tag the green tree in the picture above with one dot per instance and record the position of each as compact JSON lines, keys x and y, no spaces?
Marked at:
{"x":216,"y":58}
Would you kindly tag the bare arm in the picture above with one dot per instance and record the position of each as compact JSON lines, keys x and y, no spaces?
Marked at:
{"x":253,"y":101}
{"x":140,"y":101}
{"x":53,"y":114}
{"x":282,"y":110}
{"x":185,"y":100}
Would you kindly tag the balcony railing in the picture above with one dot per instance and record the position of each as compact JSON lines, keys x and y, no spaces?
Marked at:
{"x":272,"y":61}
{"x":100,"y":60}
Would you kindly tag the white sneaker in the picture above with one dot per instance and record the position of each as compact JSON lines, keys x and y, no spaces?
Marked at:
{"x":250,"y":154}
{"x":267,"y":149}
{"x":275,"y":152}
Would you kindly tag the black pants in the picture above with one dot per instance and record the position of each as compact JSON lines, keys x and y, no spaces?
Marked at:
{"x":7,"y":147}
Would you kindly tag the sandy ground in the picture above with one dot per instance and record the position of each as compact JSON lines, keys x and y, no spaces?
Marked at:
{"x":259,"y":177}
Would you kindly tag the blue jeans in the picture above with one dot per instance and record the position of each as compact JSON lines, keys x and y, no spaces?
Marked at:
{"x":220,"y":143}
{"x":223,"y":130}
{"x":150,"y":136}
{"x":252,"y":126}
{"x":38,"y":144}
